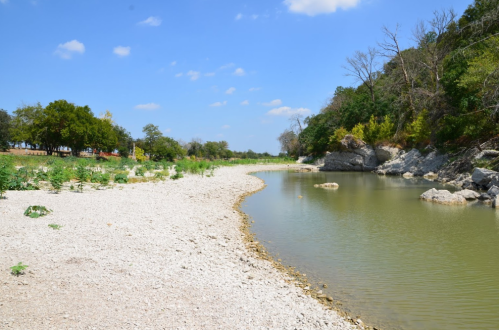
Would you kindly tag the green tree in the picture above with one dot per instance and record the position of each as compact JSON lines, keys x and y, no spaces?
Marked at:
{"x":167,"y":148}
{"x":152,"y":133}
{"x":5,"y":122}
{"x":22,"y":124}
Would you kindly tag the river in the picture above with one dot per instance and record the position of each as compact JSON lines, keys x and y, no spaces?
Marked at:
{"x":389,"y":258}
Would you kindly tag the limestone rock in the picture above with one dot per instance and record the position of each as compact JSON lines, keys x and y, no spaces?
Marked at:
{"x":357,"y":156}
{"x":430,"y":176}
{"x":468,"y":194}
{"x":332,"y":185}
{"x":408,"y":175}
{"x":493,"y":191}
{"x":414,"y":162}
{"x":485,"y":177}
{"x":495,"y":202}
{"x":485,"y":197}
{"x":385,"y":154}
{"x":443,"y":197}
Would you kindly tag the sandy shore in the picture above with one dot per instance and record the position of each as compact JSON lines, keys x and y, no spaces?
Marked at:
{"x":167,"y":255}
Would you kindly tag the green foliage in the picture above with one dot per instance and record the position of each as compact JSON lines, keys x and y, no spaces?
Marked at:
{"x":5,"y":127}
{"x":5,"y":172}
{"x":20,"y":180}
{"x":121,"y":178}
{"x":167,"y":148}
{"x":419,"y":130}
{"x":386,"y":129}
{"x":57,"y":178}
{"x":18,"y":269}
{"x":372,"y":131}
{"x":139,"y":155}
{"x":36,"y":211}
{"x":55,"y":226}
{"x":140,"y":171}
{"x":358,"y":131}
{"x":161,"y":175}
{"x":177,"y":176}
{"x":82,"y":174}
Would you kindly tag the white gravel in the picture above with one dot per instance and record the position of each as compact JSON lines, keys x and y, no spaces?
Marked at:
{"x":167,"y":255}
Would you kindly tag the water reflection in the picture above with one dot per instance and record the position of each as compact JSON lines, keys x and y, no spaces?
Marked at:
{"x":392,"y":259}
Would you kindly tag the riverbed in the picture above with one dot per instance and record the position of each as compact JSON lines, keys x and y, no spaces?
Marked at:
{"x":384,"y":255}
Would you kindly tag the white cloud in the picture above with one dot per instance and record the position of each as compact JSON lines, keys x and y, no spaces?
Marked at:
{"x":66,"y":50}
{"x":273,"y":103}
{"x":173,"y":63}
{"x":218,"y":104}
{"x":121,"y":51}
{"x":227,"y":66}
{"x":147,"y":106}
{"x":245,"y":102}
{"x":225,"y":127}
{"x":287,"y":111}
{"x":4,"y":1}
{"x":209,"y":74}
{"x":178,"y":75}
{"x":239,"y":16}
{"x":254,"y":16}
{"x":239,"y":72}
{"x":315,"y":7}
{"x":194,"y":75}
{"x":151,"y":21}
{"x":230,"y":90}
{"x":254,"y":89}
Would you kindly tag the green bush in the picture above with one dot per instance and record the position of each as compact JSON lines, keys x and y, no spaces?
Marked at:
{"x":36,"y":211}
{"x":18,"y":269}
{"x":5,"y":169}
{"x":177,"y":176}
{"x":419,"y":130}
{"x":386,"y":129}
{"x":371,"y":132}
{"x":121,"y":178}
{"x":82,"y":174}
{"x":358,"y":131}
{"x":140,"y":171}
{"x":57,"y":178}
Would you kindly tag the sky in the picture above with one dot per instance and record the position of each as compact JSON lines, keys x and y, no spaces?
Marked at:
{"x":210,"y":69}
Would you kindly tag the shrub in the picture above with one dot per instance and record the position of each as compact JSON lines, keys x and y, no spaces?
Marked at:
{"x":41,"y":175}
{"x":358,"y":131}
{"x":36,"y":211}
{"x":4,"y":178}
{"x":386,"y":129}
{"x":82,"y":174}
{"x":140,"y":171}
{"x":419,"y":130}
{"x":57,"y":178}
{"x":139,"y":155}
{"x":123,"y":152}
{"x":371,"y":132}
{"x":121,"y":178}
{"x":96,"y":177}
{"x":177,"y":176}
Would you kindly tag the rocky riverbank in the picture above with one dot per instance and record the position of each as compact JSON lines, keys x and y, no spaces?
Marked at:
{"x":166,"y":255}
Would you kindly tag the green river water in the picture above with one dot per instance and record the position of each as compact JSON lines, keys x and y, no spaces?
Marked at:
{"x":389,"y":258}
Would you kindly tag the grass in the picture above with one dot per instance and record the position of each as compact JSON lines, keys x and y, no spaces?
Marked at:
{"x":55,"y":226}
{"x":36,"y":211}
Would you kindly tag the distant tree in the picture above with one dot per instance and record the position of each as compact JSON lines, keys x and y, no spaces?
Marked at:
{"x":124,"y":141}
{"x":211,"y":149}
{"x":23,"y":128}
{"x":251,"y":154}
{"x":152,"y":133}
{"x":196,"y":148}
{"x":167,"y":148}
{"x":5,"y":121}
{"x":289,"y":142}
{"x":364,"y":67}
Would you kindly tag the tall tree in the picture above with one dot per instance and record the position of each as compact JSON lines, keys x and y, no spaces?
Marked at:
{"x":4,"y":130}
{"x":364,"y":67}
{"x":152,"y":133}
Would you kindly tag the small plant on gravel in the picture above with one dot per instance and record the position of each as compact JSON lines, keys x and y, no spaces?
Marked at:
{"x":36,"y":211}
{"x":57,"y":178}
{"x":54,"y":226}
{"x":177,"y":176}
{"x":140,"y":171}
{"x":121,"y":178}
{"x":82,"y":174}
{"x":18,"y":269}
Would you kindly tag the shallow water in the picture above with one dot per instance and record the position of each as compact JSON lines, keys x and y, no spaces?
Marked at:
{"x":395,"y":261}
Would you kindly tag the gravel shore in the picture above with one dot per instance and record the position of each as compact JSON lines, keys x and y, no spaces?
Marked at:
{"x":166,"y":255}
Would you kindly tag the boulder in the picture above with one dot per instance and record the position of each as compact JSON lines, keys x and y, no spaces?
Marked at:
{"x":484,"y":177}
{"x":495,"y":202}
{"x":408,"y":175}
{"x":356,"y":156}
{"x":468,"y":194}
{"x":443,"y":197}
{"x":487,"y":154}
{"x":430,"y":176}
{"x":484,"y":197}
{"x":493,"y":191}
{"x":332,"y":185}
{"x":384,"y":154}
{"x":414,"y":162}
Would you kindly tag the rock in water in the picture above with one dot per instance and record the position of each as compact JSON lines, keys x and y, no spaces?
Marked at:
{"x":385,"y":154}
{"x":484,"y":177}
{"x":356,"y":156}
{"x":493,"y":191}
{"x":443,"y":197}
{"x":468,"y":194}
{"x":333,"y":185}
{"x":413,"y":162}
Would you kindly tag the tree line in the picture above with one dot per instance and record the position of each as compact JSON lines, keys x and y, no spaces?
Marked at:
{"x":443,"y":91}
{"x":62,"y":124}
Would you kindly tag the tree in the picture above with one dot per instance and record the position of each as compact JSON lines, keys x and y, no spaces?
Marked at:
{"x":152,"y":133}
{"x":167,"y":148}
{"x":196,"y":148}
{"x":22,"y":124}
{"x":289,"y":142}
{"x":5,"y":121}
{"x":124,"y":141}
{"x":365,"y":68}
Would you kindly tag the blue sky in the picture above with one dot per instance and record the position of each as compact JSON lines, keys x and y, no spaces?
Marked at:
{"x":211,"y":69}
